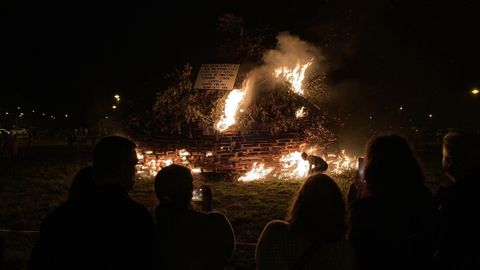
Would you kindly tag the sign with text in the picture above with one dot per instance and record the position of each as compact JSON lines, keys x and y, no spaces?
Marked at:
{"x":217,"y":76}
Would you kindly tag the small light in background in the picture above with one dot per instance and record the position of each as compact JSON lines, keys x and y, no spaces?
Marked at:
{"x":66,"y":115}
{"x":430,"y":115}
{"x":114,"y":107}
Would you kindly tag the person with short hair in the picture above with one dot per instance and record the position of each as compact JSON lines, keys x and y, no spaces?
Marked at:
{"x":316,"y":164}
{"x":100,"y":226}
{"x":459,"y":227}
{"x":189,"y":239}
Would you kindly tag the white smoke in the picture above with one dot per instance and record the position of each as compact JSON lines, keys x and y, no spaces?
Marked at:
{"x":291,"y":50}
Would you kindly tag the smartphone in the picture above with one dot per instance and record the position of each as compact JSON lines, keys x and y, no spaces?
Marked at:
{"x":197,"y":195}
{"x":361,"y":169}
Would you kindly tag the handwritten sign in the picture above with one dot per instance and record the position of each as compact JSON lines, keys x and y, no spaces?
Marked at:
{"x":217,"y":76}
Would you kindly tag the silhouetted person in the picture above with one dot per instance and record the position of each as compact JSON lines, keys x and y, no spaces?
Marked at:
{"x":83,"y":185}
{"x":313,"y":237}
{"x":187,"y":239}
{"x":459,"y":243}
{"x":393,"y":226}
{"x":316,"y":164}
{"x":357,"y":189}
{"x":99,"y":227}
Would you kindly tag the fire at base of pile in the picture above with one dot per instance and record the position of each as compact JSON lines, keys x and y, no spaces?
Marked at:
{"x":286,"y":167}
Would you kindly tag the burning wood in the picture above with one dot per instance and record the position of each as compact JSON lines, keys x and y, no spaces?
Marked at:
{"x":232,"y":104}
{"x":257,"y":172}
{"x":288,"y":166}
{"x":294,"y":76}
{"x":293,"y":166}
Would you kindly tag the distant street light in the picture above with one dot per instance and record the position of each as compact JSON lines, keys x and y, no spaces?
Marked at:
{"x":117,"y":99}
{"x":114,"y":107}
{"x":475,"y":92}
{"x":430,"y":115}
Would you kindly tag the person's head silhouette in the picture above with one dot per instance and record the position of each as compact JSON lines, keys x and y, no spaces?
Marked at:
{"x":114,"y":162}
{"x":304,"y":156}
{"x":174,"y":186}
{"x":461,"y":156}
{"x":391,"y":166}
{"x":318,"y":210}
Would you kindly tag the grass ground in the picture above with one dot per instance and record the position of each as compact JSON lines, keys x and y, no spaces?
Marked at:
{"x":33,"y":185}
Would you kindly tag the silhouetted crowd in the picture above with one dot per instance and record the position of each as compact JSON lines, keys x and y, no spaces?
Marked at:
{"x":391,"y":221}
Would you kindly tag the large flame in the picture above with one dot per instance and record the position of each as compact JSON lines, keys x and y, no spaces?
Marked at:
{"x":232,"y":104}
{"x":258,"y":171}
{"x":340,"y":163}
{"x":294,"y":76}
{"x":293,"y":166}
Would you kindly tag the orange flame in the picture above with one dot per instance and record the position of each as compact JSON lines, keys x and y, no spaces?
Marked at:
{"x":294,"y":76}
{"x":293,"y":166}
{"x":232,"y":105}
{"x":150,"y":164}
{"x":258,"y":171}
{"x":338,"y":164}
{"x":233,"y":102}
{"x":300,"y":112}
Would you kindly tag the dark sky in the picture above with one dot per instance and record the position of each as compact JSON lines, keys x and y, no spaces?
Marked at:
{"x":72,"y":57}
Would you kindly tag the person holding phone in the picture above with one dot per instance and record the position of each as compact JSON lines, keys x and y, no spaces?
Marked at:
{"x":189,"y":239}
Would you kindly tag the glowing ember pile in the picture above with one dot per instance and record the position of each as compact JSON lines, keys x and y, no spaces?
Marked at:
{"x":293,"y":166}
{"x":294,"y":76}
{"x":341,"y":163}
{"x":286,"y":167}
{"x":257,"y":172}
{"x":150,"y":164}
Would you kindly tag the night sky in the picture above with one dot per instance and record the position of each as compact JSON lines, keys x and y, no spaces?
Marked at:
{"x":72,"y":57}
